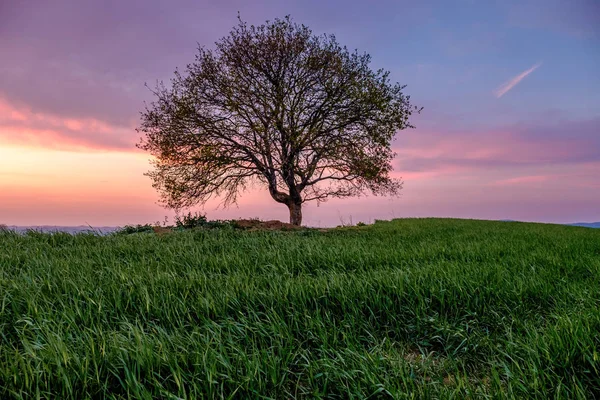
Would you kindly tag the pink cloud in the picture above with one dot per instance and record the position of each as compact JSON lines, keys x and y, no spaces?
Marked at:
{"x":23,"y":126}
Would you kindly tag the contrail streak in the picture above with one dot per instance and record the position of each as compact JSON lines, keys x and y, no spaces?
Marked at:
{"x":501,"y":91}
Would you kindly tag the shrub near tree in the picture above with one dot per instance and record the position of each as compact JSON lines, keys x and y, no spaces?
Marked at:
{"x":277,"y":106}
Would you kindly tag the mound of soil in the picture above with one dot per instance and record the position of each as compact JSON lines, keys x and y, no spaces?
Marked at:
{"x":246,"y":224}
{"x":255,"y":224}
{"x":159,"y":230}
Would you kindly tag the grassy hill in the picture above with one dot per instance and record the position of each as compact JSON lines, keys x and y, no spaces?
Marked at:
{"x":414,"y":308}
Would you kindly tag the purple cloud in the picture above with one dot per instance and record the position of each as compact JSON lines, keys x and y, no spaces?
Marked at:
{"x":579,"y":18}
{"x":561,"y":142}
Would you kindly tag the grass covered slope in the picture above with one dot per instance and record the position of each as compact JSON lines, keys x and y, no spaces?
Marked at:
{"x":408,"y":308}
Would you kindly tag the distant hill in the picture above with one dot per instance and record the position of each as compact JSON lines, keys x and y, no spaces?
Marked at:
{"x":582,"y":224}
{"x":68,"y":229}
{"x":587,"y":224}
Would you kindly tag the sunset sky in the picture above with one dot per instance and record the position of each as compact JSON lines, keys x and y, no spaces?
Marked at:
{"x":510,"y":89}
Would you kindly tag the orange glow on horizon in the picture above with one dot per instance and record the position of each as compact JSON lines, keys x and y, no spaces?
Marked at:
{"x":68,"y":171}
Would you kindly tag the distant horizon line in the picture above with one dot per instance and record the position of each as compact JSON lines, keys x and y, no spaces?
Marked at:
{"x":57,"y":227}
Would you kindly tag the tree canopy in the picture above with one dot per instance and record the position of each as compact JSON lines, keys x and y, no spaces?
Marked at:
{"x":278,"y":106}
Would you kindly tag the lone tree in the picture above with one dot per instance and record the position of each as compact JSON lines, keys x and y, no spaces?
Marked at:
{"x":275,"y":105}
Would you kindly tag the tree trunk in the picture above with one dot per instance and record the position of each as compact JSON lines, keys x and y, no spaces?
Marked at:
{"x":295,"y":213}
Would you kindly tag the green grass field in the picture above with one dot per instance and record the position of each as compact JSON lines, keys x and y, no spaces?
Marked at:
{"x":415,"y":308}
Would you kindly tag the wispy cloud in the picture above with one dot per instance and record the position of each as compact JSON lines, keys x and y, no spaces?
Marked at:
{"x":523,"y":180}
{"x":502,"y":89}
